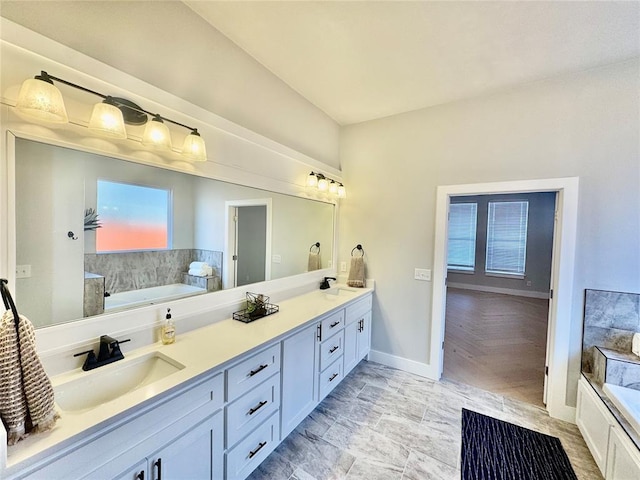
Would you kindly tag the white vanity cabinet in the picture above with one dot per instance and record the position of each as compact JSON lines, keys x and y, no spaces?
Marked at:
{"x":299,"y":369}
{"x":357,"y":332}
{"x":178,"y":430}
{"x":197,"y":453}
{"x":331,"y":339}
{"x":253,"y":411}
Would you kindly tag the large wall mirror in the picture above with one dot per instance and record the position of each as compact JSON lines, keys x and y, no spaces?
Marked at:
{"x":97,"y":235}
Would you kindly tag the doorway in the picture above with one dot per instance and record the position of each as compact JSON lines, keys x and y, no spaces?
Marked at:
{"x":247,"y":242}
{"x":562,"y":278}
{"x":497,"y":300}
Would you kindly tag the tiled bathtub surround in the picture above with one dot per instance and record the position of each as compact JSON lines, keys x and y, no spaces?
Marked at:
{"x":135,"y":270}
{"x":610,"y":320}
{"x":618,"y":368}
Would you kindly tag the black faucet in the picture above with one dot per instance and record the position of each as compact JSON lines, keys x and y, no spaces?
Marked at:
{"x":109,"y":352}
{"x":325,"y":283}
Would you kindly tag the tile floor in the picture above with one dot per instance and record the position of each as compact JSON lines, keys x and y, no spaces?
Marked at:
{"x":382,"y":423}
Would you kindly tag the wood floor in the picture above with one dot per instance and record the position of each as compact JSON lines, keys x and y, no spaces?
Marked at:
{"x":497,"y":343}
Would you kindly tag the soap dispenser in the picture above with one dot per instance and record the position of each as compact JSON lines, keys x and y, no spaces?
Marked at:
{"x":168,"y":331}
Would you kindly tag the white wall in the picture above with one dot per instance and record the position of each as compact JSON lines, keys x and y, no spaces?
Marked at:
{"x":169,"y":46}
{"x":585,"y":125}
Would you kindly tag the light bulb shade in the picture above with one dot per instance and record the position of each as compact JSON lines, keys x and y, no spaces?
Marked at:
{"x":312,"y":180}
{"x":106,"y":119}
{"x":156,"y":135}
{"x":342,"y":192}
{"x":193,"y":147}
{"x":333,"y":188}
{"x":323,"y":185}
{"x":41,"y":100}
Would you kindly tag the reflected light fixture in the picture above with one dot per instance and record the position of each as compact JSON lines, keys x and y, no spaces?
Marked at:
{"x":39,"y":98}
{"x":107,"y":119}
{"x":326,"y":185}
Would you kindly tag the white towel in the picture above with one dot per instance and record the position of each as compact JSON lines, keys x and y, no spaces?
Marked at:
{"x":197,"y":265}
{"x":314,"y":262}
{"x":201,"y":272}
{"x":29,"y":403}
{"x":356,"y":272}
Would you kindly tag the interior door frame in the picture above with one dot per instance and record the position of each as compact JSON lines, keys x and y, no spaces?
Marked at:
{"x":229,"y":237}
{"x":562,"y":278}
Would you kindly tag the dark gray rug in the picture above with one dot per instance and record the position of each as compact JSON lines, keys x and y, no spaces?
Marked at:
{"x":497,"y":450}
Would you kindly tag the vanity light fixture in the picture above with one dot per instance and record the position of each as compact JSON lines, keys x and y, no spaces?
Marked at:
{"x":107,"y":119}
{"x":325,"y":184}
{"x":39,"y":98}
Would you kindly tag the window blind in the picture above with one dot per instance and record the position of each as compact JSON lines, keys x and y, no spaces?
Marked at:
{"x":507,"y":237}
{"x":461,"y":252}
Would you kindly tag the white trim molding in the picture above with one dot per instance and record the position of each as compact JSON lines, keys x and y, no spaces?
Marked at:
{"x":562,"y":278}
{"x":504,"y":291}
{"x":411,"y":366}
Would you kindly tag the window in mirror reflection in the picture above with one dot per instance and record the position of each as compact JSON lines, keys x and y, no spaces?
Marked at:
{"x":132,"y":217}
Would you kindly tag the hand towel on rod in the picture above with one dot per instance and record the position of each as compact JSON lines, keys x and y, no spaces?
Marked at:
{"x":356,"y":272}
{"x":26,"y":395}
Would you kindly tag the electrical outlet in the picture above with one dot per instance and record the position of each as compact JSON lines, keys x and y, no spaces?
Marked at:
{"x":23,"y":271}
{"x":528,"y":283}
{"x":343,"y":266}
{"x":330,"y":264}
{"x":422,"y":274}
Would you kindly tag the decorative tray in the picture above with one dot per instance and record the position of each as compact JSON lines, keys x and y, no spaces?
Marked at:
{"x":258,"y":306}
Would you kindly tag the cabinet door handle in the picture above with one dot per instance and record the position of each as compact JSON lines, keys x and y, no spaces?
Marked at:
{"x":319,"y":332}
{"x":333,"y":377}
{"x":255,"y":409}
{"x":257,"y":370}
{"x":361,"y":325}
{"x":140,"y":476}
{"x":334,"y":324}
{"x":158,"y":464}
{"x":253,"y":452}
{"x":334,"y":349}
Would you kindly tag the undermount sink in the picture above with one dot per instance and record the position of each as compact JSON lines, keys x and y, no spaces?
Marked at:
{"x":88,"y":390}
{"x":340,"y":292}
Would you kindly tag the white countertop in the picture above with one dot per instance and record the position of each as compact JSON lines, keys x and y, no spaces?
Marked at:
{"x":200,"y":351}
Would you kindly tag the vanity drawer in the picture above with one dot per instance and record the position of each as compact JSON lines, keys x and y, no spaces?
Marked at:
{"x":359,"y":309}
{"x":331,"y":349}
{"x":252,"y":371}
{"x":332,"y":324}
{"x":251,"y":409}
{"x":330,"y":378}
{"x":249,"y":453}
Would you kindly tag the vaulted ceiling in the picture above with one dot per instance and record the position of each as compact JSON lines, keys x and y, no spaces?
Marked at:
{"x":363,"y":60}
{"x":356,"y":61}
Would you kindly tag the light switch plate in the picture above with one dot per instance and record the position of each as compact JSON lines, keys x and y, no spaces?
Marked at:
{"x":423,"y":274}
{"x":276,"y":258}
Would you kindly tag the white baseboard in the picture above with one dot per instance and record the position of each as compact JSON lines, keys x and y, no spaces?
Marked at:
{"x":505,"y":291}
{"x":411,"y":366}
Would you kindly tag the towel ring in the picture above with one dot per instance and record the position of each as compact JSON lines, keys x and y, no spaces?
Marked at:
{"x":358,"y":247}
{"x":317,"y":245}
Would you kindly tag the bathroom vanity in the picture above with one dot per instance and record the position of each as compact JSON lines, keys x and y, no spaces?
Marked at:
{"x":218,"y":401}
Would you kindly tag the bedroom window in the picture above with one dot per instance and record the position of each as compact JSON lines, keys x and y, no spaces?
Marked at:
{"x":461,"y":253}
{"x":132,"y":217}
{"x":507,"y":238}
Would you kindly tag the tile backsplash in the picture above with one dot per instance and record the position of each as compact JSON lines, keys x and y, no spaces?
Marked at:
{"x":135,"y":270}
{"x":610,"y":320}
